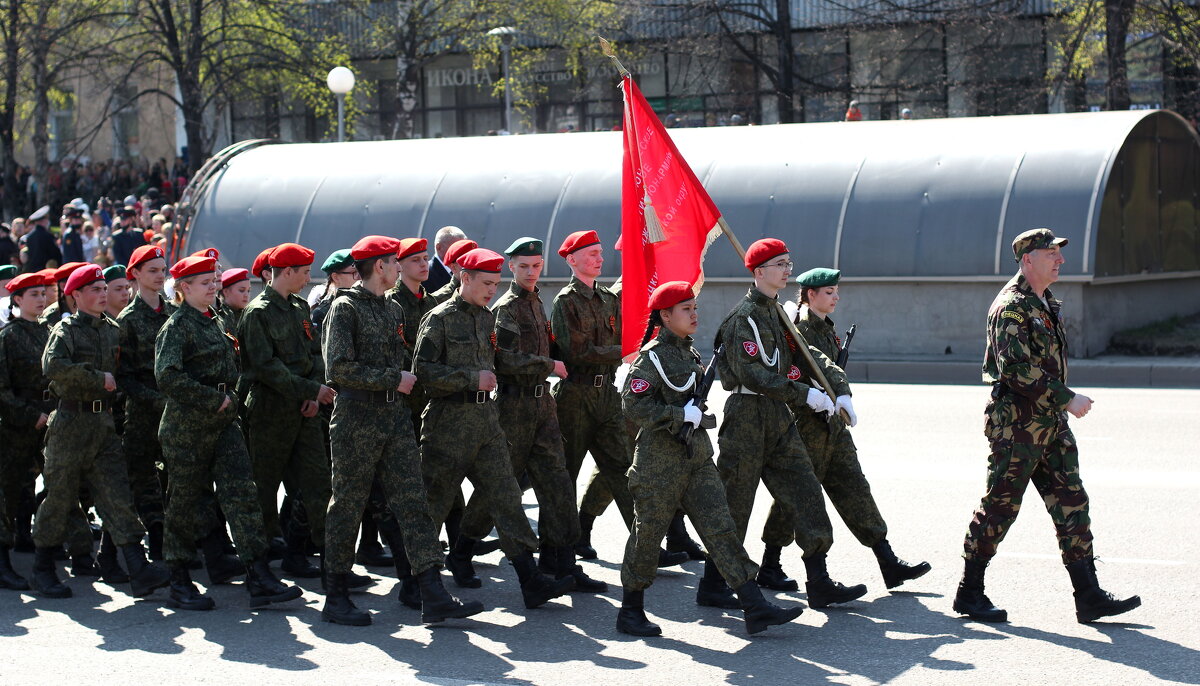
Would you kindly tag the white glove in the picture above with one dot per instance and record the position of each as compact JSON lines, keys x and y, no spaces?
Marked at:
{"x":843,"y":403}
{"x":819,"y":402}
{"x":692,"y":414}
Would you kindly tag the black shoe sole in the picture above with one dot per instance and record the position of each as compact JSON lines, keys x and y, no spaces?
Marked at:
{"x":1091,"y":616}
{"x":585,"y":552}
{"x":915,"y":572}
{"x":290,"y":594}
{"x":999,"y":617}
{"x":820,"y":601}
{"x":345,"y":621}
{"x":760,"y":626}
{"x":191,"y":607}
{"x":649,"y":633}
{"x":784,"y":587}
{"x":465,"y":610}
{"x":55,"y":594}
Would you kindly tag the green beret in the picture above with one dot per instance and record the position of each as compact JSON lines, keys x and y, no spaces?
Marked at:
{"x":8,"y":271}
{"x":819,"y":277}
{"x":524,"y":247}
{"x":117,"y":271}
{"x":337,"y":261}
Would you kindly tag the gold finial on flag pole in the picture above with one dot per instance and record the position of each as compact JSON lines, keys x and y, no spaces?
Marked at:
{"x":607,"y":49}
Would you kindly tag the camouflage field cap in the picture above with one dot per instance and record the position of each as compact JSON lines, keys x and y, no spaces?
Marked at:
{"x":1035,"y":239}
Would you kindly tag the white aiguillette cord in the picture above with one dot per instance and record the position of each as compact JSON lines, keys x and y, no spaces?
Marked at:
{"x":666,"y":379}
{"x":762,"y":352}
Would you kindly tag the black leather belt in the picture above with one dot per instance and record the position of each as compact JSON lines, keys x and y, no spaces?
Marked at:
{"x":86,"y":406}
{"x":522,"y":391}
{"x":595,"y":380}
{"x":368,"y":396}
{"x":34,"y":394}
{"x":476,"y":397}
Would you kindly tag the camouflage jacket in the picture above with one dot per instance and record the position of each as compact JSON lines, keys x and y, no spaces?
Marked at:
{"x":140,"y":324}
{"x":755,"y":341}
{"x":585,"y":327}
{"x":22,"y":384}
{"x":414,"y":308}
{"x":522,"y":338}
{"x":230,"y":318}
{"x":455,"y":342}
{"x":660,"y":382}
{"x":80,"y":350}
{"x":1026,"y":363}
{"x":280,"y":348}
{"x":53,"y":313}
{"x":363,"y":343}
{"x":446,"y":292}
{"x":193,"y":357}
{"x":321,"y":310}
{"x":818,"y":331}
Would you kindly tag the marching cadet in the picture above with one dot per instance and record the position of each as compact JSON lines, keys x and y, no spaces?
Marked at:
{"x":372,"y":439}
{"x":339,"y":273}
{"x":62,"y":306}
{"x":281,"y":364}
{"x":81,"y":444}
{"x":456,"y":250}
{"x":832,"y":453}
{"x":415,"y":302}
{"x":139,"y":323}
{"x":758,"y":437}
{"x":461,"y":436}
{"x":668,"y":475}
{"x":530,"y":420}
{"x":118,"y":290}
{"x":196,"y":370}
{"x":235,"y":296}
{"x":1026,"y":363}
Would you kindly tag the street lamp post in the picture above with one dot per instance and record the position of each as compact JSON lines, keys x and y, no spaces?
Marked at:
{"x":506,"y":34}
{"x":341,"y":82}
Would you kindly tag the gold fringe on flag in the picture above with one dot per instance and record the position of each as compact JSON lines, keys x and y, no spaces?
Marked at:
{"x":654,"y":229}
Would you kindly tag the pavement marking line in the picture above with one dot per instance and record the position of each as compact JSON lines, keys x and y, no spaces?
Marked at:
{"x":1117,"y":560}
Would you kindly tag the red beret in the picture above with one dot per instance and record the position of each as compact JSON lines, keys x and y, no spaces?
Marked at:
{"x":481,"y":260}
{"x":671,"y":294}
{"x":290,"y":255}
{"x":260,"y":263}
{"x":373,"y":246}
{"x":192,"y":265}
{"x":84,"y":275}
{"x":208,"y":252}
{"x":144,"y":254}
{"x":458,"y":249}
{"x":64,"y":272}
{"x":578,"y":241}
{"x":763,"y":250}
{"x":27,"y":281}
{"x":232,"y":276}
{"x":411,"y":246}
{"x":47,"y":274}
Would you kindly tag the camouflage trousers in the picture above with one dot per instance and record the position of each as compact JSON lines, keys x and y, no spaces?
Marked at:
{"x":288,"y":448}
{"x":835,"y":463}
{"x":759,"y":442}
{"x":20,"y":463}
{"x":143,"y":453}
{"x":199,"y":459}
{"x":535,"y":447}
{"x":1054,"y":470}
{"x":373,"y":443}
{"x":663,"y":480}
{"x":463,"y":440}
{"x":591,"y":421}
{"x":83,"y":448}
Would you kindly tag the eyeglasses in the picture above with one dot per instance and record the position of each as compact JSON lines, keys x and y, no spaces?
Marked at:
{"x":786,"y":265}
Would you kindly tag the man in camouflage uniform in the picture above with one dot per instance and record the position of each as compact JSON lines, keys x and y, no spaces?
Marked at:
{"x":139,"y":323}
{"x":281,"y":364}
{"x":372,"y":440}
{"x":81,"y":444}
{"x":758,"y":437}
{"x":461,"y":436}
{"x":530,"y":420}
{"x":1026,"y":363}
{"x":195,"y":368}
{"x":457,"y":249}
{"x":832,"y":452}
{"x":63,"y":306}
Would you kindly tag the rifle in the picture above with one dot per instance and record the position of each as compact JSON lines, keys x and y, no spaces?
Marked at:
{"x":843,"y":355}
{"x":700,"y":399}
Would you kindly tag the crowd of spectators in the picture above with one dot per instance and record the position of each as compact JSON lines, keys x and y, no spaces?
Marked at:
{"x":92,"y":179}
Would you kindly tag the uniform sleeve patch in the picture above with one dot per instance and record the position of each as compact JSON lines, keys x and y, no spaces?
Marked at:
{"x":750,"y":347}
{"x":1015,"y":316}
{"x":794,"y":373}
{"x":639,"y":386}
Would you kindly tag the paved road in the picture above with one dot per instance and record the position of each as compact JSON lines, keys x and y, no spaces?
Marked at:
{"x":924,"y":453}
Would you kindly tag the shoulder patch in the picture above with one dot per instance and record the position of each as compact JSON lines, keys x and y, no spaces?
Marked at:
{"x":639,"y":386}
{"x":1015,"y":316}
{"x":794,"y":373}
{"x":750,"y":347}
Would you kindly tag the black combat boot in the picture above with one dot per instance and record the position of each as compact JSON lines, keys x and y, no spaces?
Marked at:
{"x":184,"y":595}
{"x":339,"y":609}
{"x":712,"y":591}
{"x":295,"y":563}
{"x":409,"y":594}
{"x":771,"y":574}
{"x":896,"y":571}
{"x":453,"y":525}
{"x":370,"y":551}
{"x":668,"y":559}
{"x":678,"y":540}
{"x":823,"y":591}
{"x":222,"y":567}
{"x":489,"y":545}
{"x":84,"y":565}
{"x":437,"y":605}
{"x":761,"y":614}
{"x":631,"y":618}
{"x":45,"y":577}
{"x":537,"y":588}
{"x":583,"y":547}
{"x":110,"y":569}
{"x":154,"y":541}
{"x":144,"y":576}
{"x":566,"y":567}
{"x":24,"y":527}
{"x":276,"y":547}
{"x":458,"y":562}
{"x":970,"y":599}
{"x":8,"y":576}
{"x":1091,"y":601}
{"x":264,"y":587}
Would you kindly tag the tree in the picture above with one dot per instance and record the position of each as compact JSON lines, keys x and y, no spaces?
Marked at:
{"x":10,"y":32}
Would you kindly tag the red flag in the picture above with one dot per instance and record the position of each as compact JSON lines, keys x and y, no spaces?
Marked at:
{"x":667,"y":218}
